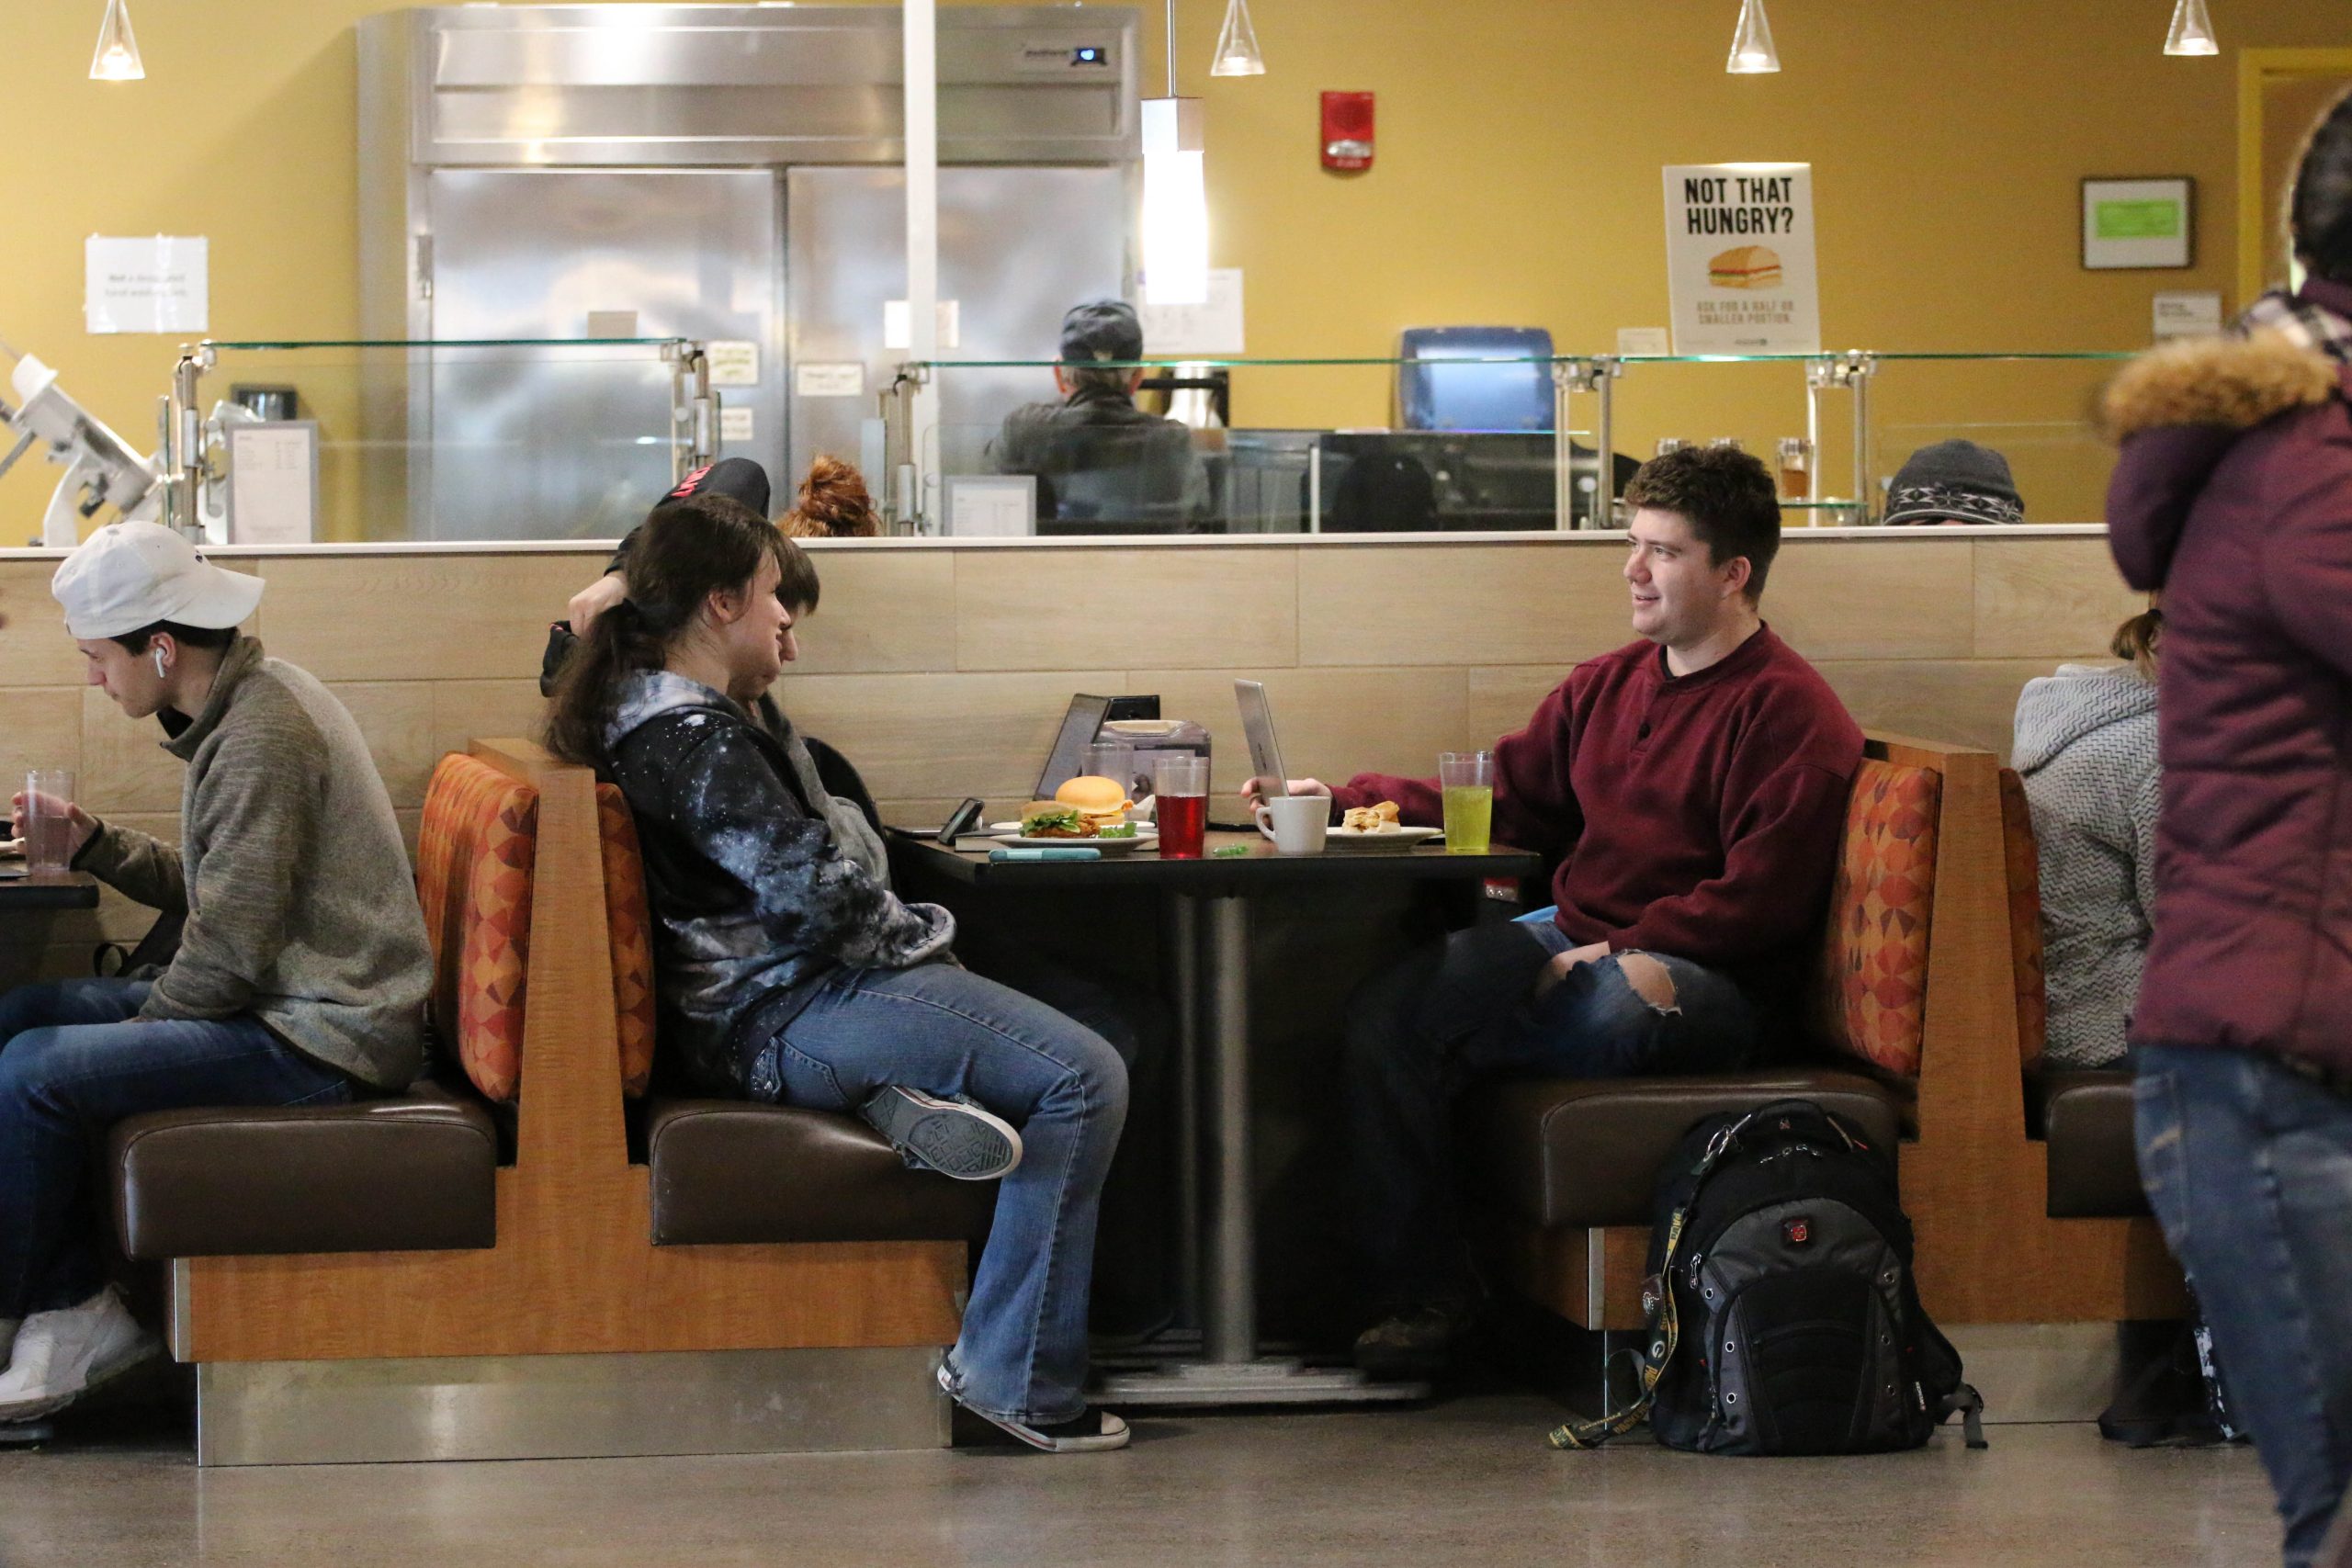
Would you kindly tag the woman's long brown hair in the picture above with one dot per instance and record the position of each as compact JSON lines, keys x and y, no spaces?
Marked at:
{"x":686,"y":551}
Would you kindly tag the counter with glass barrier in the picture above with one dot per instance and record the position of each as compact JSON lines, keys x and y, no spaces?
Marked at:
{"x":521,"y":440}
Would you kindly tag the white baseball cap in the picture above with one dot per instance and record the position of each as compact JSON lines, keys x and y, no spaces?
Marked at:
{"x":128,"y":575}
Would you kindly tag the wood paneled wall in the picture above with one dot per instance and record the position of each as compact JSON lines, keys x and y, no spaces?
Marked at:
{"x":943,"y":672}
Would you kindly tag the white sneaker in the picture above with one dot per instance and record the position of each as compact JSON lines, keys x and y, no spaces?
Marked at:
{"x":60,"y":1355}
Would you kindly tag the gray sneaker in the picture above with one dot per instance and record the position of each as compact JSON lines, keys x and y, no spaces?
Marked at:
{"x":954,"y":1137}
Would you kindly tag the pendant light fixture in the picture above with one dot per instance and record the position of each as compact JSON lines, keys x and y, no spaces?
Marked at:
{"x":117,"y":59}
{"x":2193,"y":30}
{"x":1236,"y":44}
{"x":1752,"y":53}
{"x":1175,"y":193}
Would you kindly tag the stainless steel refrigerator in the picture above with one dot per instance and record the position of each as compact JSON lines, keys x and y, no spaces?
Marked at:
{"x":726,"y":174}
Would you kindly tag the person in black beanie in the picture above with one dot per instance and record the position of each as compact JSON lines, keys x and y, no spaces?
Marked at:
{"x":1098,"y":458}
{"x":1954,"y":481}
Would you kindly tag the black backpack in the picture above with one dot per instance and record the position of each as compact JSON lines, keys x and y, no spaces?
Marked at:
{"x":1783,"y":1315}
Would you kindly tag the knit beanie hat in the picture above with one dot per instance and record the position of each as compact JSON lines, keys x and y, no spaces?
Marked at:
{"x":1955,"y":481}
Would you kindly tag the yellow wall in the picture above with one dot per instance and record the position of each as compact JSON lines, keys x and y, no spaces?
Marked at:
{"x":1519,"y":142}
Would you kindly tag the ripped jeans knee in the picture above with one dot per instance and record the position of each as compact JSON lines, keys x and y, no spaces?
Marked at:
{"x":1651,"y":981}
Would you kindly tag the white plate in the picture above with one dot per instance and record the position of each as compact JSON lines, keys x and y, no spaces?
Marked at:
{"x":1402,"y":838}
{"x":1108,"y":846}
{"x":12,"y":849}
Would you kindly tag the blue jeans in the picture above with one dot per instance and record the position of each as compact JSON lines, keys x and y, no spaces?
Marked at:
{"x":2249,"y":1168}
{"x":72,"y":1064}
{"x":1465,"y":1010}
{"x":945,"y":1031}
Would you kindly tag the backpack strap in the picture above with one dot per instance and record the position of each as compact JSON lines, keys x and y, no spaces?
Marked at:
{"x":1592,"y":1434}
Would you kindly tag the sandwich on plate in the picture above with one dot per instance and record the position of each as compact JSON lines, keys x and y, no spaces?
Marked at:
{"x":1089,"y":807}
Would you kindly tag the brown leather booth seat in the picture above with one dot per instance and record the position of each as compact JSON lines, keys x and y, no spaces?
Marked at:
{"x":729,"y":1172}
{"x":414,"y":1173}
{"x":2085,"y":1118}
{"x":1587,"y":1152}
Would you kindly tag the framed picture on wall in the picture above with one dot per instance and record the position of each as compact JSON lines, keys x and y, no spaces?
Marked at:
{"x":2140,"y":222}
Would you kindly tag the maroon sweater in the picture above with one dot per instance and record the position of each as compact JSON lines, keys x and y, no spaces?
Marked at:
{"x":1696,"y":816}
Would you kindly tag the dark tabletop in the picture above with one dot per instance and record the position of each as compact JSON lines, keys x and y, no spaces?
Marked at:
{"x":1261,"y":868}
{"x":49,"y":890}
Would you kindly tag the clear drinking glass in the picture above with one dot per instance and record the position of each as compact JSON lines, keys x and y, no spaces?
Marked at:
{"x":47,"y":820}
{"x":1180,"y":782}
{"x":1112,"y":759}
{"x":1468,"y":779}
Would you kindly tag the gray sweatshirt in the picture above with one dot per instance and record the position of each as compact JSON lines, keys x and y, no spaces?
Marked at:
{"x":300,"y":907}
{"x":2086,"y":748}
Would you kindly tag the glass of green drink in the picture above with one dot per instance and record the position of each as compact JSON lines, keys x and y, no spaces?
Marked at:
{"x":1468,"y":779}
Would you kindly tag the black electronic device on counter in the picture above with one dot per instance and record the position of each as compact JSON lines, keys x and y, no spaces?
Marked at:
{"x":961,"y":820}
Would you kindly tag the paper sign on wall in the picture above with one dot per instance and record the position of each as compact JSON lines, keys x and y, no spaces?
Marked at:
{"x":843,"y":380}
{"x":735,"y":427}
{"x":1213,"y":327}
{"x":157,"y":283}
{"x":1739,"y":258}
{"x":733,"y":363}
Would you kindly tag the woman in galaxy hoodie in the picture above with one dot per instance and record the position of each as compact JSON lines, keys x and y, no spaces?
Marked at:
{"x":787,"y":972}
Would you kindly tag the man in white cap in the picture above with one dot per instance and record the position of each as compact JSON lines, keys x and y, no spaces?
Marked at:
{"x":303,"y":969}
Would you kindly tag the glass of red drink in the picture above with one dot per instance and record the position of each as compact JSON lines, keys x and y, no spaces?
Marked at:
{"x":1180,"y":783}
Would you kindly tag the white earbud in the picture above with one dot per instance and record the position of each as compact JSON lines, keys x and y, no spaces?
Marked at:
{"x":159,"y":664}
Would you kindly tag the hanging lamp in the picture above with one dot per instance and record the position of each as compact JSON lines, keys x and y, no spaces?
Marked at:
{"x":2193,"y":30}
{"x":1752,"y":53}
{"x":117,"y":58}
{"x":1236,"y":44}
{"x":1175,"y":193}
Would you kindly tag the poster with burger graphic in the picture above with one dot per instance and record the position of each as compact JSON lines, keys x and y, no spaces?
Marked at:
{"x":1739,"y":258}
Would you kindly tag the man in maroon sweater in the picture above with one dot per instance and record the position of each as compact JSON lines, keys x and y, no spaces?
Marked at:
{"x":1692,"y":787}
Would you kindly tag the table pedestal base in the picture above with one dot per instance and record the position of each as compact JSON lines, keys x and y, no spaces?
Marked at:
{"x":1270,"y":1380}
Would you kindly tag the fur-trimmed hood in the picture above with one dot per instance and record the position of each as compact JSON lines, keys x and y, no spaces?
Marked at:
{"x":2231,"y":383}
{"x":2179,"y":411}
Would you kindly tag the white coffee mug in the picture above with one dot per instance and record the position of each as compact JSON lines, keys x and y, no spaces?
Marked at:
{"x":1296,"y":823}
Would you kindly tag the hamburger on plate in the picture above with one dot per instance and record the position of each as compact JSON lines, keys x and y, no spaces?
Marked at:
{"x":1089,"y":807}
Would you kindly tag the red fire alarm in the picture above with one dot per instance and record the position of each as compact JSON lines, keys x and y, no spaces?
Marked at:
{"x":1347,"y":131}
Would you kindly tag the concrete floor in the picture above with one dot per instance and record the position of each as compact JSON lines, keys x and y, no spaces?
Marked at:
{"x":1465,"y":1482}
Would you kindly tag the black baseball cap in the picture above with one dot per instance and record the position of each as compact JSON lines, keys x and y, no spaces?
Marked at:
{"x":738,"y":479}
{"x":1102,"y":329}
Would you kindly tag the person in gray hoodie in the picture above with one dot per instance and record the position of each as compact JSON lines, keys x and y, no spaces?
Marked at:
{"x":302,"y":968}
{"x":2086,"y":750}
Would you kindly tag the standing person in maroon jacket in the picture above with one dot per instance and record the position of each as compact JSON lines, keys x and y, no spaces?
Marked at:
{"x":1692,"y":787}
{"x":2234,"y":494}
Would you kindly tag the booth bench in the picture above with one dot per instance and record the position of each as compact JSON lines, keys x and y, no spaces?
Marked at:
{"x":375,"y":1282}
{"x":1927,"y":997}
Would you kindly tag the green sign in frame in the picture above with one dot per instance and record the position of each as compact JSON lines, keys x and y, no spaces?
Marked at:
{"x":2160,"y":220}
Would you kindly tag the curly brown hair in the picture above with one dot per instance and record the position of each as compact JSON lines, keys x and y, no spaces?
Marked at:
{"x":834,"y":504}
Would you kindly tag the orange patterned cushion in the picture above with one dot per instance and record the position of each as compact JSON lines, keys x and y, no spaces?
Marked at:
{"x":1873,"y":1001}
{"x":626,"y":914}
{"x":2022,"y":854}
{"x":475,"y":853}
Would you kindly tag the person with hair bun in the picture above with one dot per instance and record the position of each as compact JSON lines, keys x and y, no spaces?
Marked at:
{"x":787,"y":972}
{"x":834,"y":504}
{"x":2233,"y":493}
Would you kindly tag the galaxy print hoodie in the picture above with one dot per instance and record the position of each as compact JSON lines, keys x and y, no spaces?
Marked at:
{"x":754,"y":901}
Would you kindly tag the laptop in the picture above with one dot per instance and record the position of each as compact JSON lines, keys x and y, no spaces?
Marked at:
{"x":1080,"y":724}
{"x":1257,"y":723}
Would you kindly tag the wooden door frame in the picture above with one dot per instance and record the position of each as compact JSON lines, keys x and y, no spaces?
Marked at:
{"x":2257,"y":68}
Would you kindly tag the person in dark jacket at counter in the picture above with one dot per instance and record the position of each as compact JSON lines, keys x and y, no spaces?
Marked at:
{"x":788,"y":973}
{"x":1096,"y":458}
{"x":1692,"y":787}
{"x":2233,"y":495}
